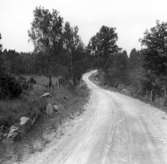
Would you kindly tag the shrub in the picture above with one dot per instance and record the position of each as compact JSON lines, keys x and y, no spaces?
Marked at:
{"x":9,"y":87}
{"x":23,"y":82}
{"x":32,"y":80}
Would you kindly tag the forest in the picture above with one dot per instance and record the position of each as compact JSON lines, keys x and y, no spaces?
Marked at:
{"x":59,"y":50}
{"x":143,"y":72}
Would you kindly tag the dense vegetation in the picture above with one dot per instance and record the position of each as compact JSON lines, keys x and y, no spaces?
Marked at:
{"x":59,"y":50}
{"x":143,"y":72}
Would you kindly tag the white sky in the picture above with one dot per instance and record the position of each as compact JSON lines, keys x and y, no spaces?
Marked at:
{"x":130,"y":17}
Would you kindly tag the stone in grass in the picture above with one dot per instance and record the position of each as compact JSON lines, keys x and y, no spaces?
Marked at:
{"x":13,"y":132}
{"x":46,"y":94}
{"x":25,"y":124}
{"x":24,"y":120}
{"x":55,"y":108}
{"x":58,"y":107}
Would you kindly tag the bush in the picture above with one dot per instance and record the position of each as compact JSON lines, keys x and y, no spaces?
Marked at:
{"x":32,"y":80}
{"x":9,"y":87}
{"x":23,"y":82}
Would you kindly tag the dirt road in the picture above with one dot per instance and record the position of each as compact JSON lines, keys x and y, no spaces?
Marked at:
{"x":115,"y":129}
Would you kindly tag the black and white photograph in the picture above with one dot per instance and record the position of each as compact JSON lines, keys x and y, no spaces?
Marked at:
{"x":83,"y":82}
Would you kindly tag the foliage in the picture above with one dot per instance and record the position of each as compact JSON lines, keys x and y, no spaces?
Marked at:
{"x":74,"y":47}
{"x":55,"y":44}
{"x":103,"y":44}
{"x":0,"y":44}
{"x":156,"y":38}
{"x":136,"y":73}
{"x":146,"y":70}
{"x":71,"y":39}
{"x":116,"y":69}
{"x":155,"y":57}
{"x":46,"y":30}
{"x":58,"y":49}
{"x":9,"y":87}
{"x":1,"y":59}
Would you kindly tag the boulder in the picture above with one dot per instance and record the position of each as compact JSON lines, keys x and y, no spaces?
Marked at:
{"x":58,"y":107}
{"x":55,"y":108}
{"x":13,"y":132}
{"x":47,"y":94}
{"x":24,"y":120}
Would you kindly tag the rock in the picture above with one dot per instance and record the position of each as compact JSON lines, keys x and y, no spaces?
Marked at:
{"x":13,"y":132}
{"x":47,"y":94}
{"x":49,"y":109}
{"x":24,"y":120}
{"x":58,"y":107}
{"x":55,"y":108}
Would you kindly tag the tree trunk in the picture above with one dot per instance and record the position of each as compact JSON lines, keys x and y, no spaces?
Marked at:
{"x":71,"y":67}
{"x":165,"y":94}
{"x":50,"y":81}
{"x":151,"y":95}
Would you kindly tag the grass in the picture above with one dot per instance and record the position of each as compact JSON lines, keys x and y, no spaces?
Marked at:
{"x":159,"y":102}
{"x":12,"y":110}
{"x":46,"y":128}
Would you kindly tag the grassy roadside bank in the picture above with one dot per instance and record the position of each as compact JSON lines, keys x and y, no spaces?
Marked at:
{"x":72,"y":103}
{"x":99,"y":80}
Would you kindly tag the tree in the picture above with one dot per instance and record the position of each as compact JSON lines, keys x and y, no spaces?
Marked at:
{"x":156,"y":38}
{"x":1,"y":59}
{"x":71,"y":43}
{"x":46,"y":34}
{"x":0,"y":44}
{"x":155,"y":42}
{"x":135,"y":71}
{"x":68,"y":44}
{"x":73,"y":46}
{"x":9,"y":87}
{"x":116,"y":68}
{"x":46,"y":30}
{"x":155,"y":57}
{"x":103,"y":44}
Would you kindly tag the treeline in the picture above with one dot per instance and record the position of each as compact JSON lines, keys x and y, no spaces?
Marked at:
{"x":58,"y":51}
{"x":144,"y":72}
{"x":58,"y":48}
